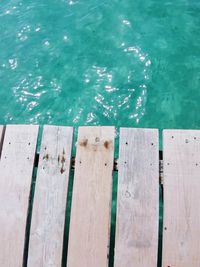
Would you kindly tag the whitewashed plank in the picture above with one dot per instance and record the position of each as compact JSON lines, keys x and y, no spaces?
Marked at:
{"x":181,"y":233}
{"x":16,"y":167}
{"x":48,"y":217}
{"x":138,"y":199}
{"x":91,"y":204}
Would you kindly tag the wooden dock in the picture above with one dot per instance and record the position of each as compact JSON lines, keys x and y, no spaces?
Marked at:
{"x":34,"y":197}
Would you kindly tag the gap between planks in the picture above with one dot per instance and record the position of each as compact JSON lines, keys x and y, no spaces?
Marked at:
{"x":2,"y":132}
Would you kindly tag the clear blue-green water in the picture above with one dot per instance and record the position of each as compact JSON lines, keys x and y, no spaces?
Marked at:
{"x":123,"y":63}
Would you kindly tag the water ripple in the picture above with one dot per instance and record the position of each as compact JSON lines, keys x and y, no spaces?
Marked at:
{"x":130,"y":63}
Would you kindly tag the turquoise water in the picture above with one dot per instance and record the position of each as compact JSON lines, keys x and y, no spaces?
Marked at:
{"x":111,"y":62}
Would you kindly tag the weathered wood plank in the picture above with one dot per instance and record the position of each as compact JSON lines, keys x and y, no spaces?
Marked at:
{"x":181,"y":242}
{"x":91,"y":204}
{"x":138,"y":198}
{"x":48,"y":217}
{"x":16,"y":167}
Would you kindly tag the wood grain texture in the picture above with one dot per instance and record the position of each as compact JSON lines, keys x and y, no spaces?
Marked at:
{"x":181,"y":233}
{"x":16,"y":167}
{"x":48,"y":217}
{"x":91,"y":203}
{"x":138,"y":199}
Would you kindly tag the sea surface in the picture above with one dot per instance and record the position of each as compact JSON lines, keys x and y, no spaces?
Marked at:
{"x":111,"y":62}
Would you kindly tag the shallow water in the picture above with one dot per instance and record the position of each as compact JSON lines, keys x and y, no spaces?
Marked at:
{"x":123,"y":63}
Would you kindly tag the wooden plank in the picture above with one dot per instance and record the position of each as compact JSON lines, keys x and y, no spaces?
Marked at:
{"x":181,"y":242}
{"x":48,"y":217}
{"x":91,"y":204}
{"x":16,"y":167}
{"x":1,"y":137}
{"x":138,"y":199}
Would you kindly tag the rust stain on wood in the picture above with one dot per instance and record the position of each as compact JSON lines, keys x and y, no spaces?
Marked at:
{"x":46,"y":156}
{"x":62,"y":160}
{"x":83,"y":142}
{"x":108,"y":144}
{"x":62,"y":170}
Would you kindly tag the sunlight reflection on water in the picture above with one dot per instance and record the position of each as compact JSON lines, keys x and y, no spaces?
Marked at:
{"x":114,"y":62}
